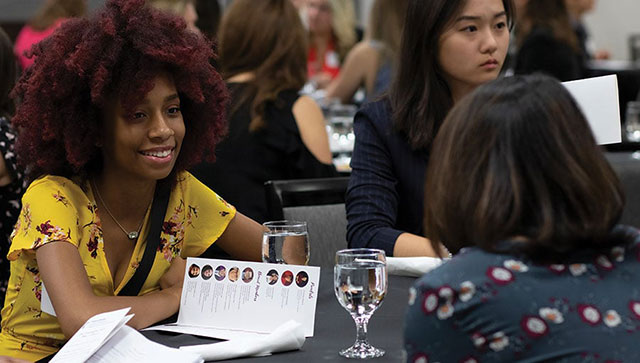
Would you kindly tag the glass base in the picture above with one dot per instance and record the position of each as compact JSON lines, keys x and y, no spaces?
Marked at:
{"x":361,"y":350}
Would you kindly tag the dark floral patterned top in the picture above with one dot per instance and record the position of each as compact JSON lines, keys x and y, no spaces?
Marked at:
{"x":59,"y":209}
{"x":485,"y":307}
{"x":10,"y":195}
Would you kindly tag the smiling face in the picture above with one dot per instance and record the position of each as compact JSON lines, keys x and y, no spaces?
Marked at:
{"x":145,"y":144}
{"x":473,"y":47}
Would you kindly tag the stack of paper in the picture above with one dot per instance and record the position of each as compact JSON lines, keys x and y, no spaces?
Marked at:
{"x":105,"y":338}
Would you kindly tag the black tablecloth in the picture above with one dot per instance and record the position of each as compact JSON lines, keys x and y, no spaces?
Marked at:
{"x":334,"y":328}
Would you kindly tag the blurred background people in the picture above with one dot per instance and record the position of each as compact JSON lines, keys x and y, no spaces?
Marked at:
{"x":518,"y":185}
{"x":184,"y":8}
{"x":577,"y":9}
{"x":547,"y":43}
{"x":48,"y":18}
{"x":209,"y":14}
{"x":372,"y":62}
{"x":274,"y":133}
{"x":12,"y":182}
{"x":332,"y":33}
{"x":393,"y":135}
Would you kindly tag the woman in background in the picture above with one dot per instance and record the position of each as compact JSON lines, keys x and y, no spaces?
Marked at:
{"x":209,"y":15}
{"x":372,"y":62}
{"x":332,"y":33}
{"x":274,"y":133}
{"x":183,"y":8}
{"x":12,"y":182}
{"x":49,"y":17}
{"x":449,"y":47}
{"x":135,"y":102}
{"x":547,"y":42}
{"x":517,"y":184}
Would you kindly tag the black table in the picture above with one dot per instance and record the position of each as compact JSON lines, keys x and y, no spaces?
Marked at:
{"x":334,"y":328}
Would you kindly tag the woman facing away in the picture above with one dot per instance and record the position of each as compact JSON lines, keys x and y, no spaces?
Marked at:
{"x":332,"y":33}
{"x":372,"y":62}
{"x":517,"y":184}
{"x":547,"y":43}
{"x":47,"y":20}
{"x":274,"y":133}
{"x":449,"y":47}
{"x":135,"y":102}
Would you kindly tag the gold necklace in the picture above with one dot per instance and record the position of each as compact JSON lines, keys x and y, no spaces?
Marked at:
{"x":131,"y":235}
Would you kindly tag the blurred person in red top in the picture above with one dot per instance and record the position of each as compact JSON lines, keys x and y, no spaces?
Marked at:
{"x":46,"y":21}
{"x":332,"y":34}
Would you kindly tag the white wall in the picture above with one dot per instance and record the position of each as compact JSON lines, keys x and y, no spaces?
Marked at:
{"x":611,"y":23}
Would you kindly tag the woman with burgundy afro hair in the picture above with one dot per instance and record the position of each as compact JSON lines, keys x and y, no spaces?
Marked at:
{"x":113,"y":107}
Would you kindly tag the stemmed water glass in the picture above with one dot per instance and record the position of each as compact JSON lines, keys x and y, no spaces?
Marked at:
{"x":360,"y":282}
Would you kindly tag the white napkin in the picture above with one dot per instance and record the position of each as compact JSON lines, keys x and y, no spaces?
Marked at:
{"x":412,"y":266}
{"x":286,"y":337}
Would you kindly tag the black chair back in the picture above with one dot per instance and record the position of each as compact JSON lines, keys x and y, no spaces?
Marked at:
{"x":319,"y":202}
{"x":303,"y":192}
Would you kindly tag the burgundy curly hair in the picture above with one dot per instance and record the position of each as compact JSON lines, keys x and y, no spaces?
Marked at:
{"x":115,"y":54}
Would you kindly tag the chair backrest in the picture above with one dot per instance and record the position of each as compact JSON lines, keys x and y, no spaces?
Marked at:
{"x":327,"y":227}
{"x":319,"y":202}
{"x":300,"y":192}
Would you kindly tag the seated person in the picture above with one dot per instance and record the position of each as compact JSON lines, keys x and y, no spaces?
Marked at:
{"x":12,"y":183}
{"x":332,"y":33}
{"x":274,"y":133}
{"x":135,"y":102}
{"x":372,"y":62}
{"x":518,"y":186}
{"x":183,"y":8}
{"x":393,"y":135}
{"x":547,"y":43}
{"x":43,"y":24}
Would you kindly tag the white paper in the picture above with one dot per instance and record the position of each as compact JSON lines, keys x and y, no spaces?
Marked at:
{"x":91,"y":336}
{"x":128,"y":345}
{"x":45,"y":302}
{"x":598,"y":100}
{"x":224,"y":334}
{"x":260,"y":301}
{"x":412,"y":266}
{"x":286,"y":337}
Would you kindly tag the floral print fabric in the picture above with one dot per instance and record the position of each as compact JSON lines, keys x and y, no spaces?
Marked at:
{"x":485,"y":307}
{"x":56,"y":209}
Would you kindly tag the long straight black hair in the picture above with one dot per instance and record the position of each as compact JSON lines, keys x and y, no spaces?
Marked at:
{"x":420,"y":98}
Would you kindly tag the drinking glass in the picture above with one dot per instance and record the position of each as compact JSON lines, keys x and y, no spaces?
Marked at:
{"x":285,"y":242}
{"x":360,"y":282}
{"x":632,"y":121}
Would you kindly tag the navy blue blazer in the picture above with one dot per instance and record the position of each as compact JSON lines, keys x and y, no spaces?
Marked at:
{"x":386,"y":189}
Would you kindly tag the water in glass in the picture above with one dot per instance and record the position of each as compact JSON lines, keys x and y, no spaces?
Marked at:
{"x":360,"y":283}
{"x":285,"y":242}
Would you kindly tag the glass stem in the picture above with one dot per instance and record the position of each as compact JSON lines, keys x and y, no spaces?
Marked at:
{"x":361,"y":329}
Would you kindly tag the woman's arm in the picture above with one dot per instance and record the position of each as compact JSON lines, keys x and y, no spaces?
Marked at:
{"x":73,"y":298}
{"x":312,"y":128}
{"x":372,"y":197}
{"x":242,"y":239}
{"x":359,"y":68}
{"x":408,"y":245}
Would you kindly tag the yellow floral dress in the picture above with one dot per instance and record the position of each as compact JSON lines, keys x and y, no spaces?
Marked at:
{"x":58,"y":209}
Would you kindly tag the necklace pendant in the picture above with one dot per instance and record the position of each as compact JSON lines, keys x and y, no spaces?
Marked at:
{"x":132,"y":235}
